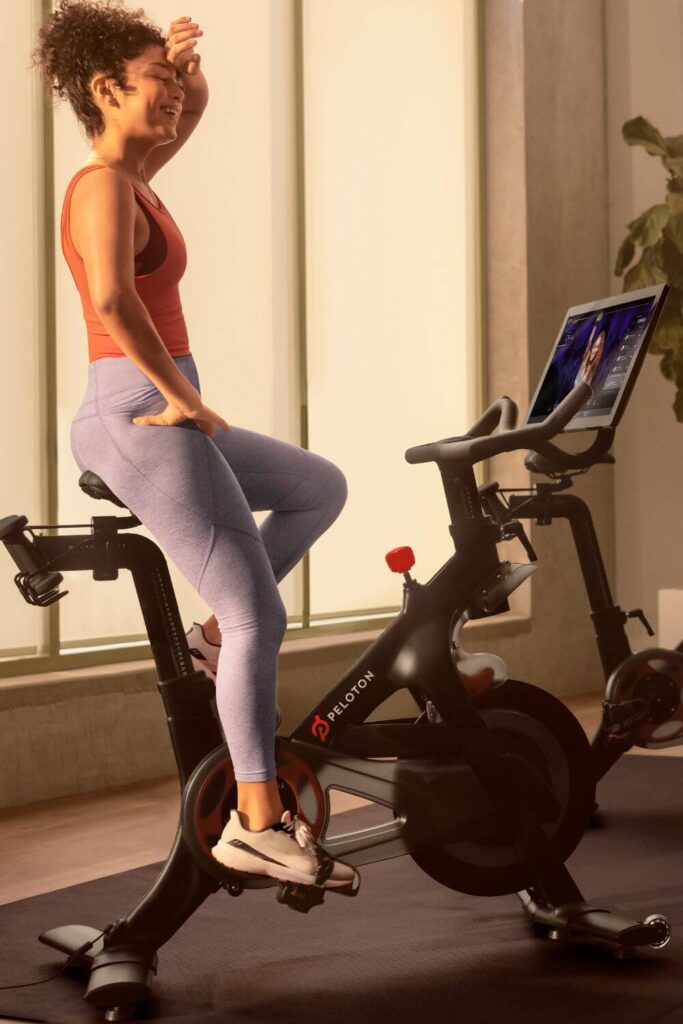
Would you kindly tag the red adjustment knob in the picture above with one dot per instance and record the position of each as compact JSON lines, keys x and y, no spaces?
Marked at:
{"x":400,"y":559}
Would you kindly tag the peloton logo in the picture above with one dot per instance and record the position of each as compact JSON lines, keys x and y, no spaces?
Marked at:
{"x":321,"y":728}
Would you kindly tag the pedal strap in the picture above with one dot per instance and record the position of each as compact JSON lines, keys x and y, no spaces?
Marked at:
{"x":325,"y":867}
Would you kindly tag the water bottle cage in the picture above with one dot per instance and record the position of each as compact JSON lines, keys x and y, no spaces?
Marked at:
{"x":498,"y":587}
{"x":514,"y":529}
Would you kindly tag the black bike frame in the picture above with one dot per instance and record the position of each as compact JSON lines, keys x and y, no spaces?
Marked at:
{"x":413,"y":652}
{"x":608,"y":618}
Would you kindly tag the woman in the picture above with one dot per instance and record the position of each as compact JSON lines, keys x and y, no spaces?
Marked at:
{"x":592,"y":355}
{"x":142,"y":425}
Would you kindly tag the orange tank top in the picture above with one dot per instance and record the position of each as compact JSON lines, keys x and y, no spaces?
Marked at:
{"x":158,"y":288}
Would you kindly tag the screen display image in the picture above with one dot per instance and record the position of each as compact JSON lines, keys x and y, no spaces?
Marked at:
{"x":597,"y":347}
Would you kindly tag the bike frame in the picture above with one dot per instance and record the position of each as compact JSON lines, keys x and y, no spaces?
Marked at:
{"x":543,"y":505}
{"x":414,"y":652}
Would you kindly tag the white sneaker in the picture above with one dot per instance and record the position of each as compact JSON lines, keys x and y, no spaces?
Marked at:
{"x":204,"y":656}
{"x":286,"y":851}
{"x":204,"y":653}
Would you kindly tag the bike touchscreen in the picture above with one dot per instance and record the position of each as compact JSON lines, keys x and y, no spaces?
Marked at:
{"x":602,"y":343}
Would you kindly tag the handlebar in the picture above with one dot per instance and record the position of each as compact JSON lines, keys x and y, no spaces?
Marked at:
{"x":479,"y":443}
{"x":503,"y":411}
{"x":559,"y":459}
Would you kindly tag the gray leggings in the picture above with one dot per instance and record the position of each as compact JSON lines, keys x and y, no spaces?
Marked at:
{"x":195,"y":495}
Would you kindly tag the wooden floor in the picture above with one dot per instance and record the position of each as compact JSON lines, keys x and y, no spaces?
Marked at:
{"x":57,"y":843}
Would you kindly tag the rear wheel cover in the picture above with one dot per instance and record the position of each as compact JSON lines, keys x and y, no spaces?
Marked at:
{"x":536,"y":727}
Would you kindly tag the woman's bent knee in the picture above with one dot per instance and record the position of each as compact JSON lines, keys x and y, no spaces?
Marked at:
{"x":266,"y":622}
{"x":280,"y":618}
{"x":337,"y":487}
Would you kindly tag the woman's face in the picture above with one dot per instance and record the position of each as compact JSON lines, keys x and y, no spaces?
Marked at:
{"x":152,"y":84}
{"x":597,"y":347}
{"x":592,"y":361}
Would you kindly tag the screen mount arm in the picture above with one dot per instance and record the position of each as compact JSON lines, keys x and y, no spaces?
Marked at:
{"x":556,"y":460}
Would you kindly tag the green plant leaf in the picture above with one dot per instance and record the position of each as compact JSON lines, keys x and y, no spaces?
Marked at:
{"x":665,"y":364}
{"x":659,"y":233}
{"x":675,"y":166}
{"x":671,"y":366}
{"x":639,"y":132}
{"x":674,"y":145}
{"x":624,"y":256}
{"x":674,"y":201}
{"x":673,"y":160}
{"x":678,"y":405}
{"x":649,"y":269}
{"x":671,"y":261}
{"x":647,"y":229}
{"x":668,"y":336}
{"x":674,"y":230}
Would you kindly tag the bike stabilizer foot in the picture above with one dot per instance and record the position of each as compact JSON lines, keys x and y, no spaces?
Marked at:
{"x":586,"y":920}
{"x":120,"y":977}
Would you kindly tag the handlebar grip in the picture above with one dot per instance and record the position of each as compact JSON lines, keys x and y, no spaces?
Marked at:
{"x":503,"y":411}
{"x":559,"y":459}
{"x":479,"y":443}
{"x":558,"y":419}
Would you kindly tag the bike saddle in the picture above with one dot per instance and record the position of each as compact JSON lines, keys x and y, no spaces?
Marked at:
{"x":95,"y":487}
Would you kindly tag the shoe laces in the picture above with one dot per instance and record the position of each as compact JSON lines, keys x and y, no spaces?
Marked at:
{"x":301,"y":832}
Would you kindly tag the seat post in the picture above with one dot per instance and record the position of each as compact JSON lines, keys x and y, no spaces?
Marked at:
{"x":106,"y":551}
{"x":113,"y":551}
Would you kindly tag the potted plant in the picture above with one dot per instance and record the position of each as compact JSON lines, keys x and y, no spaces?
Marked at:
{"x":658,"y":234}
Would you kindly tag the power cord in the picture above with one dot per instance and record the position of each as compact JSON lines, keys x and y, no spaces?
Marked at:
{"x":83,"y":949}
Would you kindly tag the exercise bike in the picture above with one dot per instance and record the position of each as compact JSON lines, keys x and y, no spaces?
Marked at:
{"x":489,"y":794}
{"x":643,"y":703}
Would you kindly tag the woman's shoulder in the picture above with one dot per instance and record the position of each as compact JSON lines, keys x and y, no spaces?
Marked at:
{"x":111,"y":185}
{"x":107,"y":195}
{"x":112,"y":173}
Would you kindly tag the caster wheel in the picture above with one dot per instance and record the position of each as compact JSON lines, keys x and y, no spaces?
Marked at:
{"x":663,"y":927}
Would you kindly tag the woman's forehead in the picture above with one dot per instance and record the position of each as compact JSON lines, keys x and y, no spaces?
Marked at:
{"x":152,"y":58}
{"x":153,"y":54}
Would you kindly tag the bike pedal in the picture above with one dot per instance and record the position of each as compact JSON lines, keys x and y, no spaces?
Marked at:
{"x":433,"y":715}
{"x":300,"y":897}
{"x":348,"y":890}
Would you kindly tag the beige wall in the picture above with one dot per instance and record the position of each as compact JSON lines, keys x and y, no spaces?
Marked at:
{"x":547,"y":250}
{"x":644,"y":77}
{"x":22,"y":308}
{"x":561,"y":186}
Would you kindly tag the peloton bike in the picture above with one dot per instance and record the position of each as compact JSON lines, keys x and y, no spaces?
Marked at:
{"x":490,"y":794}
{"x":643,"y":703}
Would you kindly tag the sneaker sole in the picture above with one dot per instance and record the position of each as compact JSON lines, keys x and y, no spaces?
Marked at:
{"x":204,"y":666}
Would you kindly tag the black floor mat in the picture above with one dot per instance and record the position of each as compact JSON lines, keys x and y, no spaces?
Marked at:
{"x":405,"y":949}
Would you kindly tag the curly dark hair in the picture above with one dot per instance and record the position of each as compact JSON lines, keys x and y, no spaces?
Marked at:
{"x":82,"y":38}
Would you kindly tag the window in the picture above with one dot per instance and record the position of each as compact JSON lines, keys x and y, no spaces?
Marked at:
{"x":330,"y":206}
